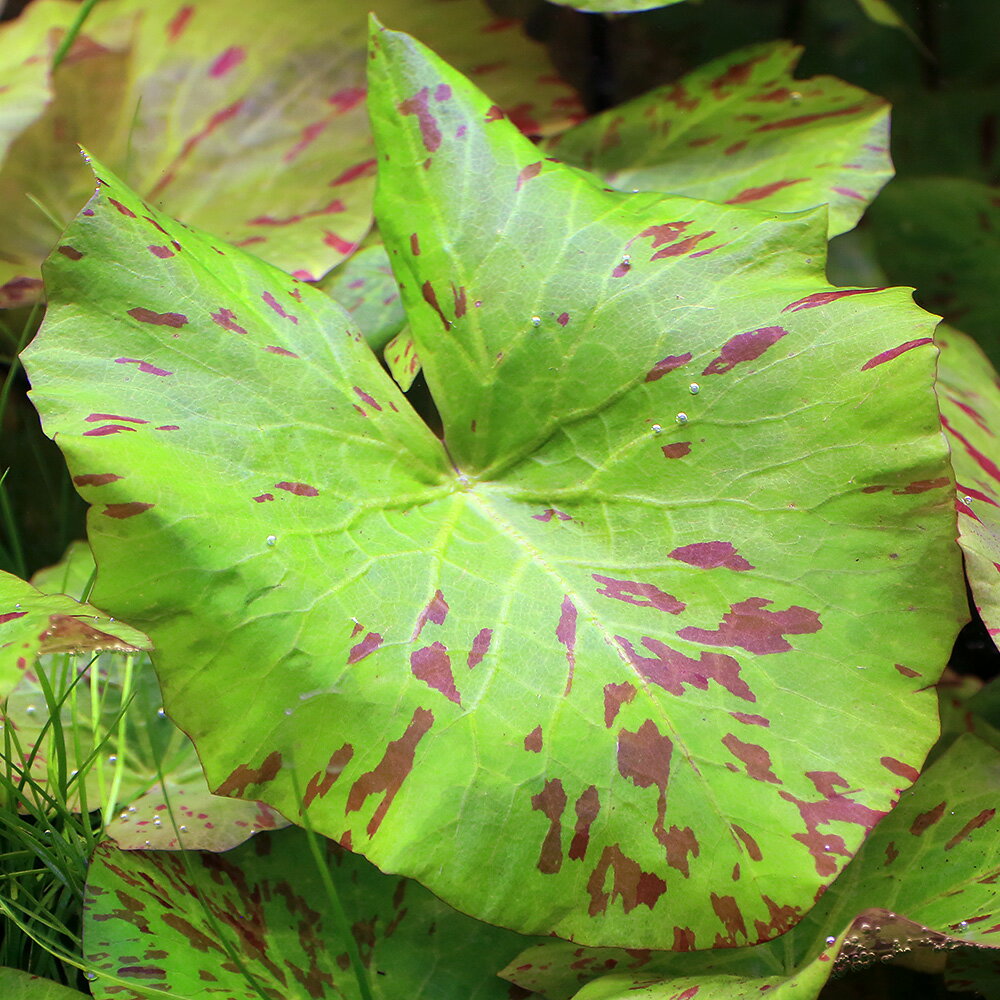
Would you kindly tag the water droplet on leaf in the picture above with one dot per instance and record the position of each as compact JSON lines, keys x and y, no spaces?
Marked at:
{"x":695,"y":388}
{"x":682,"y":418}
{"x":967,"y":501}
{"x":112,"y":759}
{"x":830,"y":940}
{"x":90,"y":976}
{"x":161,"y":713}
{"x":657,"y":429}
{"x":796,"y":97}
{"x":536,"y":320}
{"x":272,"y":539}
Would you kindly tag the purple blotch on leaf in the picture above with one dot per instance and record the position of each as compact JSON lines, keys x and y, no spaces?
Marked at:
{"x":749,"y":625}
{"x":744,"y":347}
{"x":643,"y":595}
{"x":299,"y":489}
{"x":711,"y":555}
{"x":175,"y":320}
{"x":419,"y":105}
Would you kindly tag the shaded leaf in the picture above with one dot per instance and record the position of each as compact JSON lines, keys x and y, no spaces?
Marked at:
{"x":402,"y":359}
{"x":18,"y":985}
{"x":882,"y":12}
{"x":260,"y":136}
{"x":33,"y":623}
{"x":969,"y":397}
{"x":741,"y":130}
{"x":614,"y":6}
{"x":944,"y":826}
{"x":365,"y":287}
{"x":586,"y":593}
{"x":151,"y":919}
{"x":940,"y":234}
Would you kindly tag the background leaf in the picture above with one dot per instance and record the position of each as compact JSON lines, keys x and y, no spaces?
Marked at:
{"x":498,"y":609}
{"x":260,"y":136}
{"x":153,"y":920}
{"x":18,"y":985}
{"x":741,"y":130}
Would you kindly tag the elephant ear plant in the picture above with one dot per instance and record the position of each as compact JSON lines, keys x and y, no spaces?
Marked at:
{"x":640,"y":649}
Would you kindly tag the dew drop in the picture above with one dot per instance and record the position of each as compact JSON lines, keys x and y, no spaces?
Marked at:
{"x":963,"y":925}
{"x":30,"y":710}
{"x":967,"y":501}
{"x":112,"y":759}
{"x":17,"y":607}
{"x":830,"y":940}
{"x":183,"y":829}
{"x":161,"y":713}
{"x":626,"y":258}
{"x":536,"y":320}
{"x":288,"y":711}
{"x":272,"y":540}
{"x":657,"y":429}
{"x":695,"y":388}
{"x":795,"y":97}
{"x":682,"y":418}
{"x":90,"y":976}
{"x":133,"y":809}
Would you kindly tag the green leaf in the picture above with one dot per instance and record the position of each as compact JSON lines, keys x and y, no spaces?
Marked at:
{"x":258,"y":135}
{"x":944,"y":828}
{"x":614,"y":6}
{"x":969,"y":397}
{"x":166,"y":921}
{"x":940,"y":235}
{"x":365,"y":287}
{"x":33,"y":623}
{"x":882,"y":12}
{"x":587,"y":645}
{"x":18,"y":985}
{"x":402,"y":359}
{"x":741,"y":130}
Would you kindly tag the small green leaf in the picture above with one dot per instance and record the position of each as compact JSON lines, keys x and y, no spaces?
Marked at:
{"x":167,"y":921}
{"x":741,"y":130}
{"x":882,"y":12}
{"x":18,"y":985}
{"x":402,"y":359}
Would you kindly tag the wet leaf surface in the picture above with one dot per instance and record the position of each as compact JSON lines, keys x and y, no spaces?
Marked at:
{"x":741,"y":130}
{"x":193,"y":924}
{"x":592,"y":638}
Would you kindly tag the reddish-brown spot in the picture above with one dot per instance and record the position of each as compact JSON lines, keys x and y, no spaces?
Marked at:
{"x":246,"y":776}
{"x":227,"y":320}
{"x":833,"y":807}
{"x":277,"y":307}
{"x":587,"y":807}
{"x":264,"y":497}
{"x":751,"y":627}
{"x":430,"y":297}
{"x":974,"y":824}
{"x":751,"y":720}
{"x":124,"y":510}
{"x":227,"y":61}
{"x":494,"y":114}
{"x":744,"y":347}
{"x":629,"y":883}
{"x":622,"y":269}
{"x":551,"y":512}
{"x":175,"y":320}
{"x":432,"y":665}
{"x":551,"y":802}
{"x":895,"y":352}
{"x":668,"y":232}
{"x":480,"y":646}
{"x":755,"y":759}
{"x":728,"y":911}
{"x":643,"y":595}
{"x":734,"y":76}
{"x":891,"y":852}
{"x":671,"y":670}
{"x":566,"y":635}
{"x":562,"y":319}
{"x":162,"y":252}
{"x":825,"y":298}
{"x":676,"y":450}
{"x":736,"y":147}
{"x":414,"y":244}
{"x":368,"y":645}
{"x":179,"y":22}
{"x":680,"y":99}
{"x":272,"y":349}
{"x":107,"y":429}
{"x":764,"y":191}
{"x":984,"y":461}
{"x":436,"y":611}
{"x":906,"y":671}
{"x":533,"y":741}
{"x":333,"y":207}
{"x":752,"y":848}
{"x":96,"y":479}
{"x":809,"y":119}
{"x":71,"y":252}
{"x":683,"y":939}
{"x":679,"y":844}
{"x":322,"y":781}
{"x":298,"y":489}
{"x":419,"y":105}
{"x":388,"y":775}
{"x":364,"y":169}
{"x":124,"y":209}
{"x":685,"y":246}
{"x":711,"y":555}
{"x":927,"y":819}
{"x":906,"y":771}
{"x":527,"y":173}
{"x":782,"y":918}
{"x":365,"y":398}
{"x":11,"y":616}
{"x":616,"y":695}
{"x":668,"y":364}
{"x":458,"y":294}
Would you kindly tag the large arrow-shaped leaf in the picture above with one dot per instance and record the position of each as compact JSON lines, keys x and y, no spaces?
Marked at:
{"x":588,"y":644}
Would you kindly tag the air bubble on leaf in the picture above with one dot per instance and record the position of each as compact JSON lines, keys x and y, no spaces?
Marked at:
{"x":830,"y":940}
{"x":695,"y":388}
{"x":682,"y":418}
{"x":272,"y":539}
{"x":657,"y":429}
{"x":536,"y":320}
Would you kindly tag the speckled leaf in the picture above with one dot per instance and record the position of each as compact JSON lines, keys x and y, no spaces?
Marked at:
{"x":153,"y":747}
{"x":144,"y":922}
{"x":402,"y":359}
{"x":614,"y":6}
{"x":364,"y":285}
{"x":33,"y":623}
{"x":969,"y":397}
{"x":584,"y":641}
{"x":942,"y":235}
{"x":742,"y":131}
{"x":259,"y":135}
{"x":925,"y":881}
{"x":18,"y":985}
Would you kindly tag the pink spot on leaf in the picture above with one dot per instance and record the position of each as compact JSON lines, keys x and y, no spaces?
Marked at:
{"x":432,"y":665}
{"x":751,"y":627}
{"x":298,"y":489}
{"x":175,"y":320}
{"x":419,"y":105}
{"x":228,"y":61}
{"x":643,"y":595}
{"x":764,"y":191}
{"x":895,"y":352}
{"x":825,"y":298}
{"x":365,"y":647}
{"x":668,"y":364}
{"x":124,"y":510}
{"x":144,"y":366}
{"x":277,"y":307}
{"x":711,"y":555}
{"x":566,"y":634}
{"x":227,"y":320}
{"x":744,"y":347}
